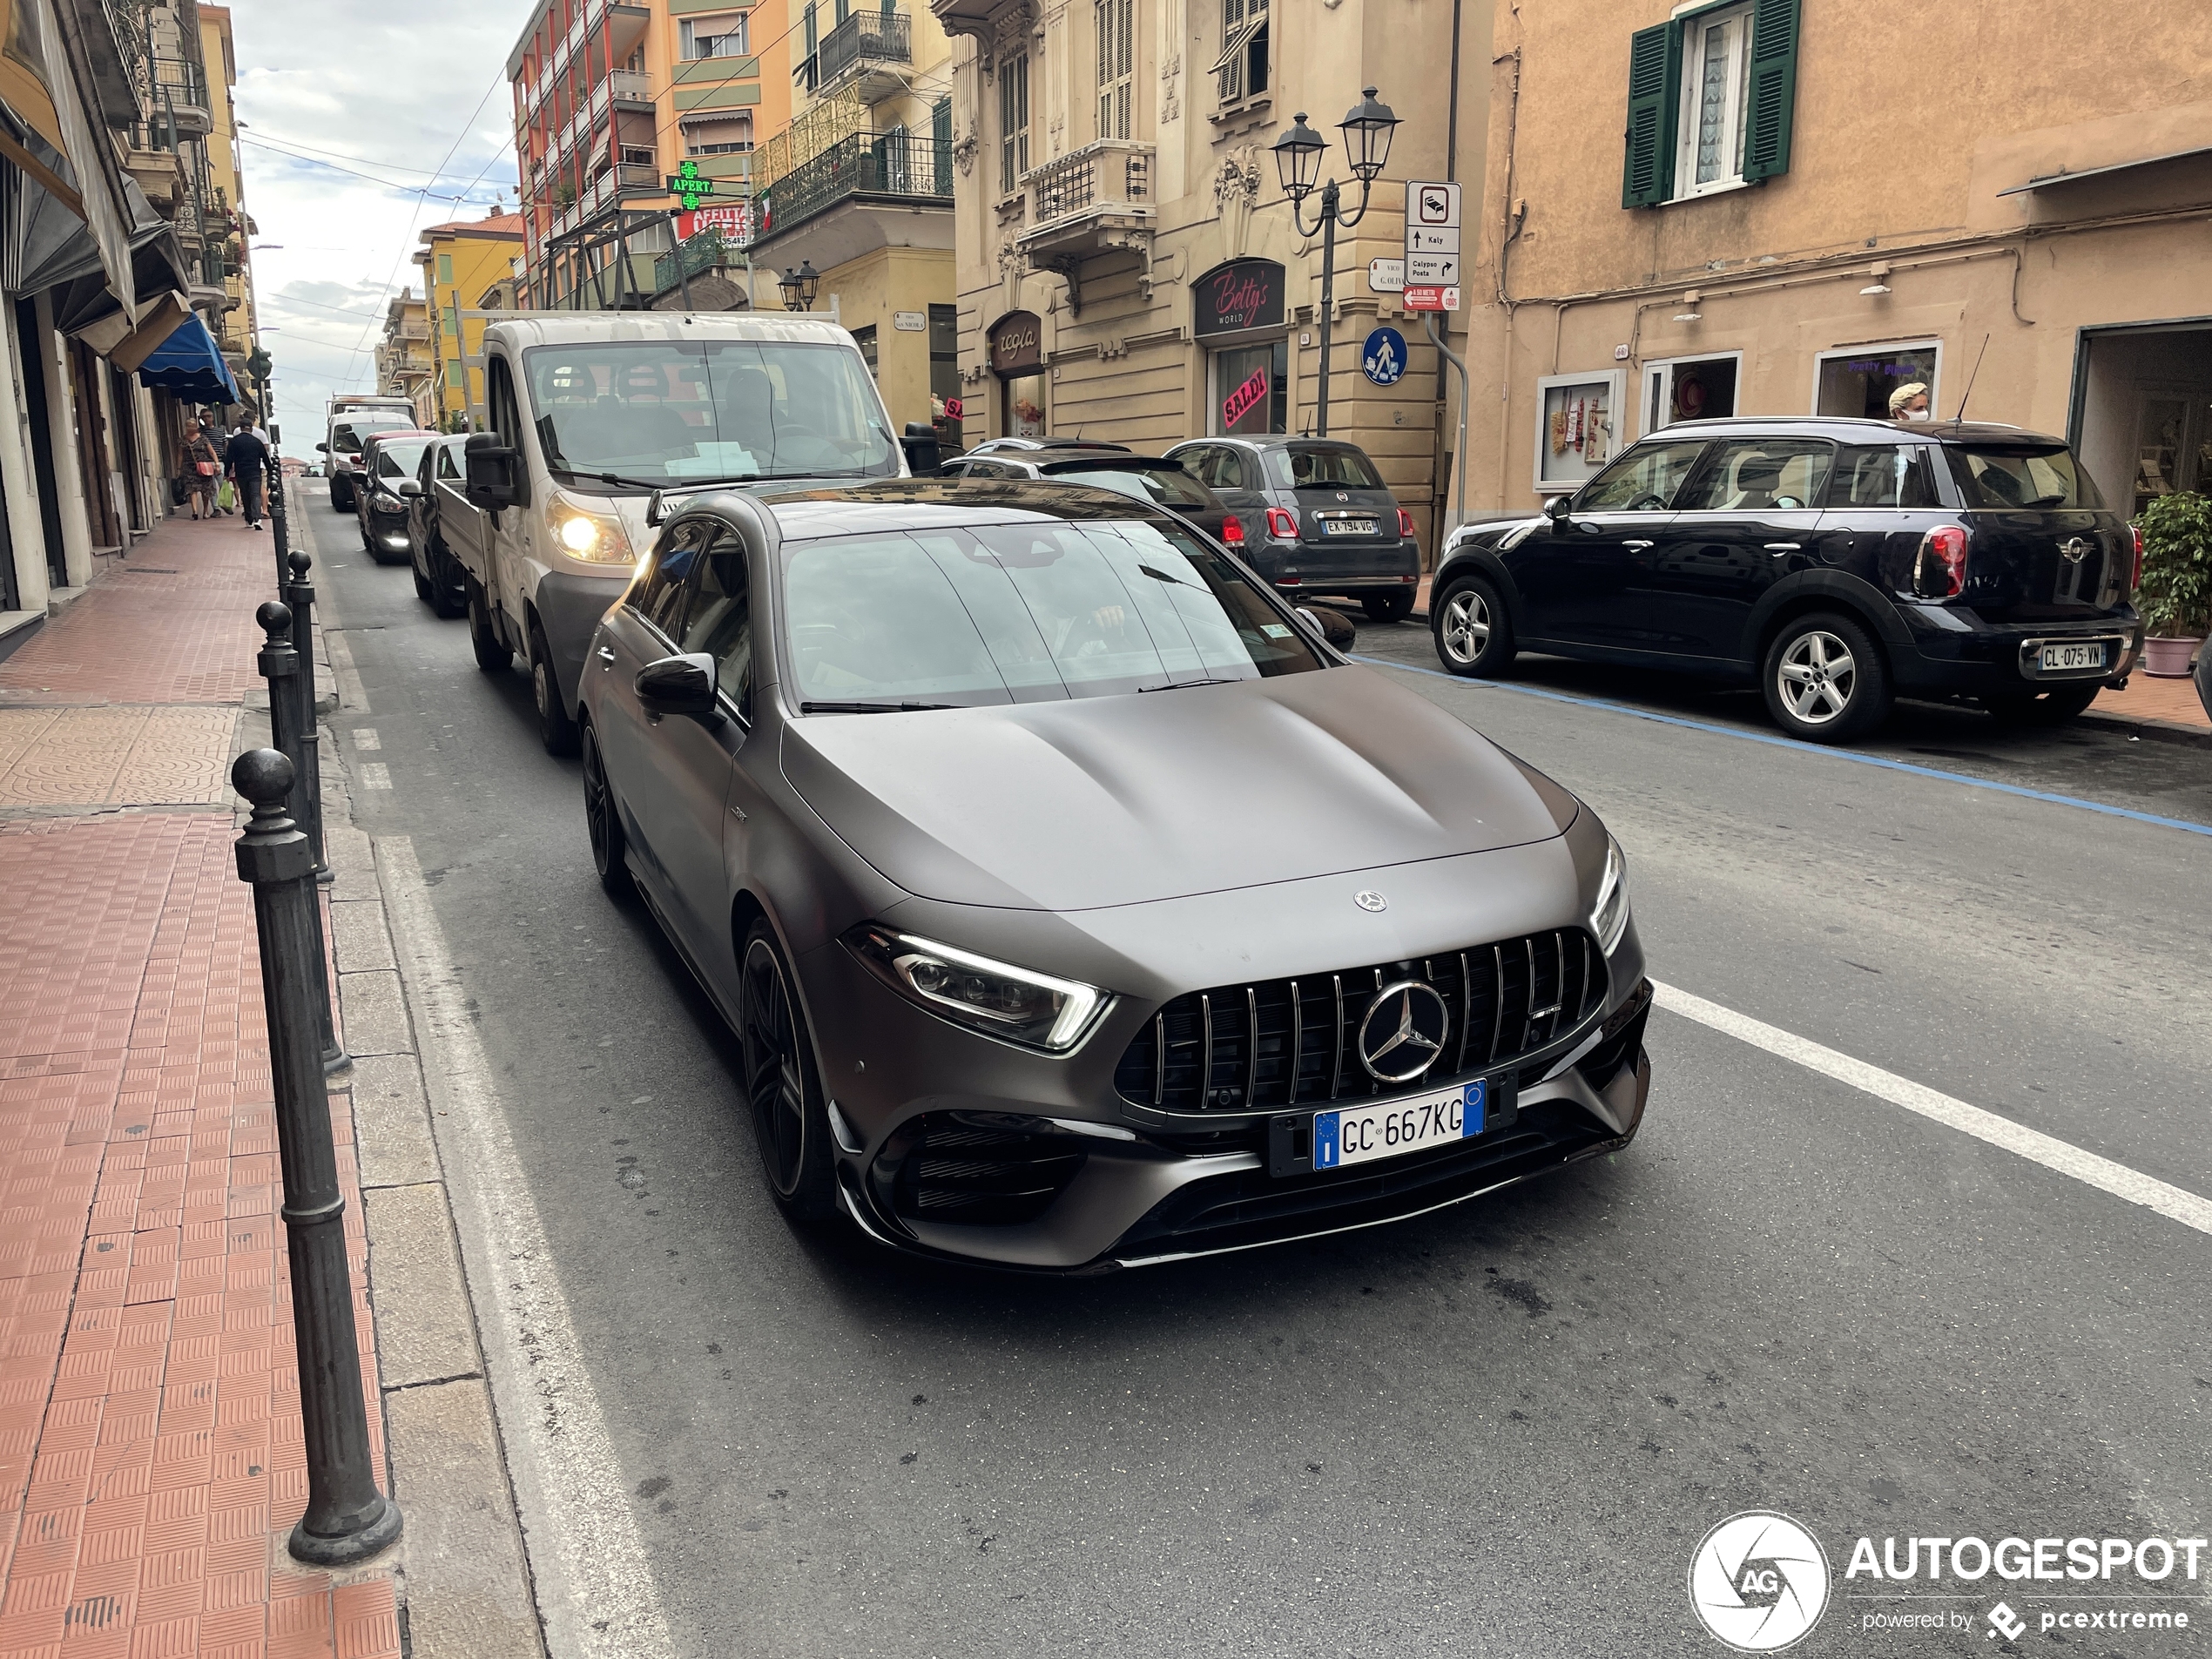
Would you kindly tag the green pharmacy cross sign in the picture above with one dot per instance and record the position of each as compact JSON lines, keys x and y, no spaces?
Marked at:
{"x":687,"y":184}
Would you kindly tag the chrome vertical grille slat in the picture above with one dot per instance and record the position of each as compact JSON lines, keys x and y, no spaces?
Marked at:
{"x":1251,"y":1054}
{"x":1160,"y":1057}
{"x":1297,"y":1042}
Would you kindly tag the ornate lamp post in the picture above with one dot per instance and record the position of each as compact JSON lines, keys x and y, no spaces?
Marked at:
{"x":1367,"y":128}
{"x":800,"y":285}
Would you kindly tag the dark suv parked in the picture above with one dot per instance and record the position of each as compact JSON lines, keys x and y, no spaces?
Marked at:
{"x":1320,"y":522}
{"x":1836,"y":562}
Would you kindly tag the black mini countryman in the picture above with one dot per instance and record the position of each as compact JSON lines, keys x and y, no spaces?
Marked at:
{"x":1838,"y":561}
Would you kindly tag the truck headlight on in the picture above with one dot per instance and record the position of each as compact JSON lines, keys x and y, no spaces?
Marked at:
{"x":1609,"y":916}
{"x":1017,"y":1004}
{"x":584,"y":531}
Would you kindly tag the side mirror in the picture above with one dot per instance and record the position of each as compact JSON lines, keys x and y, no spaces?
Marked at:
{"x":924,"y":454}
{"x":1333,"y":625}
{"x":493,"y":484}
{"x":408,"y":487}
{"x":678,"y":685}
{"x":1560,"y":510}
{"x":322,"y":448}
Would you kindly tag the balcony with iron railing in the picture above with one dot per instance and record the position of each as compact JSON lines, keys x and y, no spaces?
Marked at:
{"x":868,"y":46}
{"x":1089,"y":200}
{"x":186,"y":83}
{"x":909,"y":171}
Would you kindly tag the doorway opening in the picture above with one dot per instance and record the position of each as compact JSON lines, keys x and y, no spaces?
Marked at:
{"x":1689,"y":388}
{"x":2142,"y":410}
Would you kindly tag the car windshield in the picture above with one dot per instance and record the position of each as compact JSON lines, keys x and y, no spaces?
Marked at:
{"x":658,"y":411}
{"x":1322,"y":467}
{"x":345,"y":439}
{"x":400,"y":459}
{"x":1167,"y":484}
{"x":1023,"y":613}
{"x":2021,"y":475}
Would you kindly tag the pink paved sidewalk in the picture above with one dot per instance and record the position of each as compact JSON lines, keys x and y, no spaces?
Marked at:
{"x":150,"y":1459}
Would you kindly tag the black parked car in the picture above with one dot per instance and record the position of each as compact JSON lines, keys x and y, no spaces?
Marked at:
{"x":1319,"y":518}
{"x":383,"y":485}
{"x":440,"y":582}
{"x":1836,"y":562}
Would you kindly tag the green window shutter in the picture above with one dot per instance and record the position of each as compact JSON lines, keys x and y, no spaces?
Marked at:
{"x":1655,"y":75}
{"x":1773,"y":92}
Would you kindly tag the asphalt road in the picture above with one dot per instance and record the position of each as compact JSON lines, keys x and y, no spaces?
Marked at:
{"x":1502,"y":1430}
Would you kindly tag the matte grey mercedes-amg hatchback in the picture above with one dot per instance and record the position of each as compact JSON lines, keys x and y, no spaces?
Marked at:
{"x":1076,"y":904}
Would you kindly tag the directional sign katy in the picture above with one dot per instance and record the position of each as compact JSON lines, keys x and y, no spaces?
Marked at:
{"x":1432,"y":267}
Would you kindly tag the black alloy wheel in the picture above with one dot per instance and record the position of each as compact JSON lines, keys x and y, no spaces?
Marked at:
{"x":789,"y":1121}
{"x":1388,"y":607}
{"x":1825,"y":679}
{"x":603,"y":817}
{"x":2053,"y":706}
{"x":554,"y":729}
{"x":492,"y":653}
{"x":445,"y":578}
{"x":1473,"y":630}
{"x":423,"y":591}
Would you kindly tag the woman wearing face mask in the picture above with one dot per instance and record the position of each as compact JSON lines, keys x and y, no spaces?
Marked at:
{"x":1910,"y":402}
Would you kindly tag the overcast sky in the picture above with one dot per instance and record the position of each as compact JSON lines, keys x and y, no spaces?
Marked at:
{"x":384,"y":89}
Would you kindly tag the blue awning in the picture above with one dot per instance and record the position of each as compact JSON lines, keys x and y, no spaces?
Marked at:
{"x":187,"y":365}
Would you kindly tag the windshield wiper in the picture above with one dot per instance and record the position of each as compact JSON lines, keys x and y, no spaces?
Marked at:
{"x":1162,"y":575}
{"x":669,"y":486}
{"x":1176,"y":685}
{"x":871,"y":708}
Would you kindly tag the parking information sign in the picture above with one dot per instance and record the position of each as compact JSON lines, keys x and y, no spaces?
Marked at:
{"x":1432,"y":245}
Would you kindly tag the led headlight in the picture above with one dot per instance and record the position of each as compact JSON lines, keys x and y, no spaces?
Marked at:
{"x":1018,"y":1004}
{"x":1609,"y":916}
{"x":583,"y":530}
{"x":385,"y":503}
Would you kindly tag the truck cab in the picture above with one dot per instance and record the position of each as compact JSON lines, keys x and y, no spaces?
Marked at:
{"x":589,"y":417}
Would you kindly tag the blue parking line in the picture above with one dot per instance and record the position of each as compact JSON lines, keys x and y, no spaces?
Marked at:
{"x":1806,"y":748}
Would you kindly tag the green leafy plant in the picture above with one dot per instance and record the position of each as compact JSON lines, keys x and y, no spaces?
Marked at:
{"x":2176,"y":595}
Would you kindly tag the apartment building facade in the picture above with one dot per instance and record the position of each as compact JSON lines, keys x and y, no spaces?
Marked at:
{"x":405,"y":366}
{"x":1128,"y":265}
{"x":612,"y":98}
{"x":467,"y":265}
{"x":1790,"y":225}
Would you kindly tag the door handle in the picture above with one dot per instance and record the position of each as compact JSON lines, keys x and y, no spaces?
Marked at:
{"x":1636,"y":547}
{"x":1782,"y":547}
{"x":606,"y":656}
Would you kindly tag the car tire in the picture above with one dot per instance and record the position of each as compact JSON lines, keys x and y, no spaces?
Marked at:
{"x":1473,"y":630}
{"x":2053,"y":707}
{"x":342,"y":501}
{"x":492,"y":655}
{"x":554,"y":729}
{"x":782,"y":1085}
{"x":603,"y":819}
{"x":1387,"y":607}
{"x":1825,"y":678}
{"x":443,"y":581}
{"x":423,"y":591}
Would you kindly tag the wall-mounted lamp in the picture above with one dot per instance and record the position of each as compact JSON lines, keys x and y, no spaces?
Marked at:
{"x":1881,"y":282}
{"x":1690,"y":312}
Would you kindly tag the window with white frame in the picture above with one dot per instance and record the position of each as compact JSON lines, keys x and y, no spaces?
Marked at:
{"x":1242,"y":67}
{"x":1715,"y":76}
{"x":1014,"y":121}
{"x":726,"y":34}
{"x":724,"y":133}
{"x":1117,"y":64}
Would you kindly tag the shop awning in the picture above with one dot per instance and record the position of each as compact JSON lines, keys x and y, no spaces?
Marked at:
{"x":2051,"y":180}
{"x":187,"y":365}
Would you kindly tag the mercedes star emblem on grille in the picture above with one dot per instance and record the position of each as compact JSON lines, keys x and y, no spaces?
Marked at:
{"x":1368,"y":898}
{"x":2073,"y":550}
{"x":1404,"y":1032}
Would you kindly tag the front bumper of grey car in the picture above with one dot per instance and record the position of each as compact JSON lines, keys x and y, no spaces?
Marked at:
{"x":952,"y":1144}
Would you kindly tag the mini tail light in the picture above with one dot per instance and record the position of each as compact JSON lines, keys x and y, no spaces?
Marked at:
{"x":1405,"y":524}
{"x":1940,"y":571}
{"x":1282,"y":524}
{"x":2135,"y":577}
{"x":1232,"y":530}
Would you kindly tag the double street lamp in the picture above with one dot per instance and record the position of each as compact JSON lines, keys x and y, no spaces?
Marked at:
{"x":800,"y":286}
{"x":1367,"y":128}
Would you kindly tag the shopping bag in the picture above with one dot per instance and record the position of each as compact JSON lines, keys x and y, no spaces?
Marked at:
{"x":222,"y":498}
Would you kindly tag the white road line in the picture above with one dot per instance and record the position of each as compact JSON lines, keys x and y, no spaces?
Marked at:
{"x":365,"y":738}
{"x":595,"y":1581}
{"x":375,"y":775}
{"x":2038,"y":1148}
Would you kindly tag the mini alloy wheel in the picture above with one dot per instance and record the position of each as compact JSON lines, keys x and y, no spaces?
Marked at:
{"x":1474,"y":634}
{"x":1826,"y":680}
{"x":788,"y":1121}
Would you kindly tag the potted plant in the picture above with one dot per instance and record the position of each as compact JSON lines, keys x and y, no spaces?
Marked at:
{"x":2175,"y":593}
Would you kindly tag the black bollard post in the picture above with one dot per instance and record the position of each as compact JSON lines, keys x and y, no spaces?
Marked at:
{"x":279,"y":528}
{"x":346,"y":1519}
{"x":279,"y":665}
{"x":301,"y":596}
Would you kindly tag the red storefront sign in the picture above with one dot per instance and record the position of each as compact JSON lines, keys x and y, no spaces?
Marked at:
{"x":734,"y":220}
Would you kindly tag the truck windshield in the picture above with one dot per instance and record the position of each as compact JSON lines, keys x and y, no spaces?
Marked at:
{"x":671,"y":410}
{"x":2042,"y":476}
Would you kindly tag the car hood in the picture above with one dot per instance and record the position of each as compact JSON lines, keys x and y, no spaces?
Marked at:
{"x":1117,"y":801}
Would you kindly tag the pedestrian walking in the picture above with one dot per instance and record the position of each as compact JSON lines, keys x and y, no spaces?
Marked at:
{"x":248,"y":460}
{"x":200,"y":467}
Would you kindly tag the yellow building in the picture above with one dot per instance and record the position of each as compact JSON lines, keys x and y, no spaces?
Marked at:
{"x":231,"y":229}
{"x":463,"y":261}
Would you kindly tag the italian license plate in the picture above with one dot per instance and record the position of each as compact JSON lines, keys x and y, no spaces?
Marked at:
{"x":1347,"y":527}
{"x":2066,"y":657}
{"x":1388,"y":1128}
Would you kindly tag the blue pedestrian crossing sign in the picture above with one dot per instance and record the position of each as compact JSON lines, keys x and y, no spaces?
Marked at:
{"x":1383,"y":356}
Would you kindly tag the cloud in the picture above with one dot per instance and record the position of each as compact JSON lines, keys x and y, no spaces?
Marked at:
{"x":383,"y":90}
